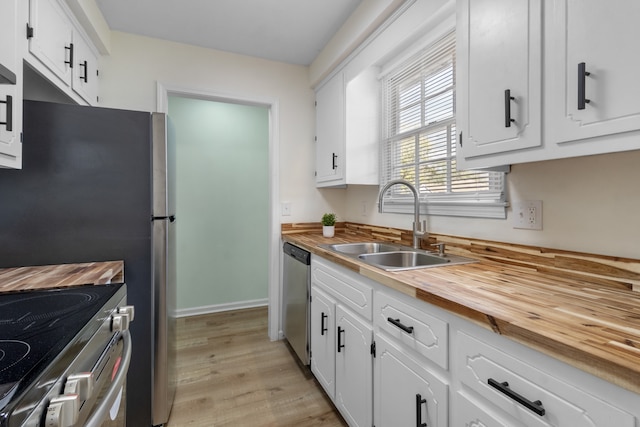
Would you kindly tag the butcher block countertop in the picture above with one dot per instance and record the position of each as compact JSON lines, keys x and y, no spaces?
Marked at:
{"x":579,"y":308}
{"x":63,"y":275}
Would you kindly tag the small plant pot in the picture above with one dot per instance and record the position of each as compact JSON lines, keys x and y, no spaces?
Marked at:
{"x":328,"y":230}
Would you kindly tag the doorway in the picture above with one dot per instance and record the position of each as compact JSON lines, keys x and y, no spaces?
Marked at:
{"x":268,"y":213}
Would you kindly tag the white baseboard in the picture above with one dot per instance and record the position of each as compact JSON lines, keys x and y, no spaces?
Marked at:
{"x":208,"y":309}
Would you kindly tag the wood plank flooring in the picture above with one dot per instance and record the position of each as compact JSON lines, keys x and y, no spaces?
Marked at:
{"x":231,"y":374}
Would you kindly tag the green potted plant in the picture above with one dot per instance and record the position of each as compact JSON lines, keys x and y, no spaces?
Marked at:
{"x":328,"y":224}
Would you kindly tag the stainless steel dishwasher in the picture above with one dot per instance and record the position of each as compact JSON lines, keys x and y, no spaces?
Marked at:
{"x":296,"y":283}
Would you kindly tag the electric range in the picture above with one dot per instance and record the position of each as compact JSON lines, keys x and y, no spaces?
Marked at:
{"x":60,"y":350}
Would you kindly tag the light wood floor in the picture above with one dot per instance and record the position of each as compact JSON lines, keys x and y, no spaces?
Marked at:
{"x":231,"y":374}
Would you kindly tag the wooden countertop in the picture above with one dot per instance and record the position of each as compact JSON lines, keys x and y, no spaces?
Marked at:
{"x":63,"y":275}
{"x":578,"y":308}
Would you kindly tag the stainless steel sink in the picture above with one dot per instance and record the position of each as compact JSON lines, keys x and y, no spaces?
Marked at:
{"x":407,"y":259}
{"x":392,"y":257}
{"x":364,"y":248}
{"x":411,"y":260}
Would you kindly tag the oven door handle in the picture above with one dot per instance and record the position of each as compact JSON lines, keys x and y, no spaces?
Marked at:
{"x":101,"y":413}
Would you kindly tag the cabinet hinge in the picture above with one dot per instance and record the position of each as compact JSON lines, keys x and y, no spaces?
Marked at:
{"x":21,"y":137}
{"x":373,"y":349}
{"x":29,"y":31}
{"x":315,"y":104}
{"x":460,"y":140}
{"x":315,"y":173}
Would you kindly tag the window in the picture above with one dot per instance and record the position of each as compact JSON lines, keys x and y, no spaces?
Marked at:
{"x":420,"y":139}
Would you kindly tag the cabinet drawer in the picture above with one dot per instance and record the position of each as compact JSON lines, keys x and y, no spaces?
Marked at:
{"x":468,"y":413}
{"x":526,"y":389}
{"x":410,"y":324}
{"x":348,"y":287}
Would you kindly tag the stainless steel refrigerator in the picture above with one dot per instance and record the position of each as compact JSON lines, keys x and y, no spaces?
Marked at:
{"x":98,"y":184}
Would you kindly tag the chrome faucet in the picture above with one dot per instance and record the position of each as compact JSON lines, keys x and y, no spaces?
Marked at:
{"x":418,"y":232}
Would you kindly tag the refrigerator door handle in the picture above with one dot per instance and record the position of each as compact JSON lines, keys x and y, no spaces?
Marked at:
{"x":171,"y":218}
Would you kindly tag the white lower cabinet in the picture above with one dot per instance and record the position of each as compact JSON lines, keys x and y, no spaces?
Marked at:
{"x":405,"y":392}
{"x":341,"y":338}
{"x":354,"y":368}
{"x":323,"y":339}
{"x":528,"y":394}
{"x":469,"y":414}
{"x":390,"y":360}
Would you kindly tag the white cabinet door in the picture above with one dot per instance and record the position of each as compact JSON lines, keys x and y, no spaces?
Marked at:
{"x":8,"y":23}
{"x":10,"y":126}
{"x":354,"y":368}
{"x":406,"y":394}
{"x":604,"y":36}
{"x":330,"y":133}
{"x":52,"y":41}
{"x":499,"y":70}
{"x":10,"y":94}
{"x":323,"y":340}
{"x":85,"y":70}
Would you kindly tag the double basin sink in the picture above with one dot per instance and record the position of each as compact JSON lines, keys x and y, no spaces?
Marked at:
{"x":392,"y":257}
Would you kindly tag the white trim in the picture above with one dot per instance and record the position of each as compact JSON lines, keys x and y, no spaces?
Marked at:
{"x":217,"y":308}
{"x":163,"y":90}
{"x":496,"y":210}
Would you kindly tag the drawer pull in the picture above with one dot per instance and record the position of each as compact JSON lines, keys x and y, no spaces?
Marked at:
{"x":323,"y":328}
{"x":419,"y":402}
{"x":340,"y":345}
{"x":397,"y":323}
{"x":504,"y":388}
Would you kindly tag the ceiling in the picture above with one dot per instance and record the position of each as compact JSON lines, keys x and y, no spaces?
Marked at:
{"x":291,"y":31}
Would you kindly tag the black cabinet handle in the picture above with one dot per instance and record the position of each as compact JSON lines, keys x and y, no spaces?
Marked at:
{"x":333,"y":161}
{"x":507,"y":108}
{"x":419,"y":402}
{"x":323,"y":329}
{"x":86,"y":72}
{"x":8,"y":124}
{"x":582,"y":77}
{"x":504,"y":388}
{"x":397,"y":323}
{"x":340,"y":345}
{"x":70,"y":49}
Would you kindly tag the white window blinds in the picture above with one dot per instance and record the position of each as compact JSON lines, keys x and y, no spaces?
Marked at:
{"x":420,"y":139}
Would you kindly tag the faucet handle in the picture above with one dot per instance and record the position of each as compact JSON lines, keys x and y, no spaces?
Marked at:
{"x":440,"y":248}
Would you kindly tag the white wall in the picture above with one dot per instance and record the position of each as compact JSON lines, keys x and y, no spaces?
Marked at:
{"x":129,"y":76}
{"x":590,"y":204}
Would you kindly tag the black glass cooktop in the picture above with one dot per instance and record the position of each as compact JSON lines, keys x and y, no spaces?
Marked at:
{"x":35,"y":326}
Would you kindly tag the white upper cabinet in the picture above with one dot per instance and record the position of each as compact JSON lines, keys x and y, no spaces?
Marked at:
{"x":11,"y":91}
{"x":330,"y":133}
{"x":85,"y":70}
{"x":347,"y":130}
{"x":8,"y":24}
{"x":60,"y":52}
{"x":52,"y":38}
{"x":587,"y":75}
{"x":499,"y":68}
{"x":601,"y":96}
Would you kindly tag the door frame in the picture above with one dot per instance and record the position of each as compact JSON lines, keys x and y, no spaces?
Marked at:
{"x":164,"y":90}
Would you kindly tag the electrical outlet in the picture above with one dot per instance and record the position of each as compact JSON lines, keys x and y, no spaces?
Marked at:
{"x":363,"y":208}
{"x":527,"y":214}
{"x":285,"y":208}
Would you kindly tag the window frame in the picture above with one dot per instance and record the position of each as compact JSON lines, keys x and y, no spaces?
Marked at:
{"x":483,"y":204}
